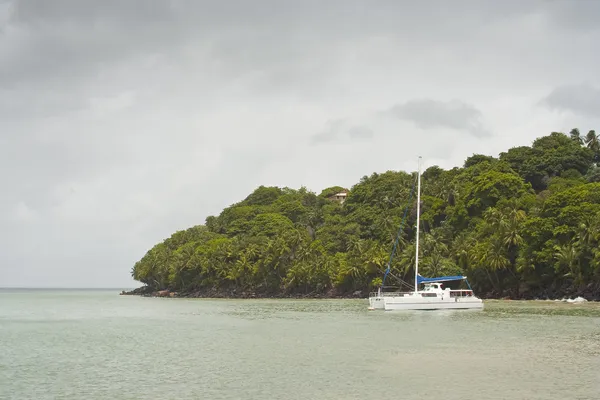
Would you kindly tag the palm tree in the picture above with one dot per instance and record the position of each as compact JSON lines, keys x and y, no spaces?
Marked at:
{"x":386,"y":224}
{"x":312,"y":220}
{"x":567,"y":256}
{"x":576,"y":136}
{"x":242,"y":267}
{"x":375,"y":258}
{"x":163,"y":260}
{"x":511,"y":233}
{"x":495,"y":219}
{"x":355,"y":245}
{"x":505,"y":227}
{"x":329,"y":266}
{"x":252,"y":252}
{"x":184,"y":258}
{"x":354,"y":270}
{"x":407,"y":259}
{"x":506,"y":224}
{"x":586,"y":240}
{"x":592,"y":141}
{"x":463,"y":250}
{"x":296,"y":276}
{"x":433,"y":242}
{"x":495,"y":256}
{"x":436,"y":264}
{"x":587,"y":231}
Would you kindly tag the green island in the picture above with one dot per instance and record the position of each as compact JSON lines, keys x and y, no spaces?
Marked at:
{"x":522,"y":225}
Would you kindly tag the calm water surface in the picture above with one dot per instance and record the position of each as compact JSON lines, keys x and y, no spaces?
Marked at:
{"x":98,"y":345}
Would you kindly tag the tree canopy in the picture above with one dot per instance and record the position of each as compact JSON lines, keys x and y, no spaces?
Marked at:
{"x":523,"y":224}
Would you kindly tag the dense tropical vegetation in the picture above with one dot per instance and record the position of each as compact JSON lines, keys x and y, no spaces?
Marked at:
{"x":524,"y":224}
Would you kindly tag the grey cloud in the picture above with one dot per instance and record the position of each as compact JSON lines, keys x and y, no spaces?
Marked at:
{"x":330,"y":133}
{"x":84,"y":12}
{"x":340,"y":130}
{"x":454,"y":114}
{"x":563,"y":14}
{"x":581,"y":98}
{"x":74,"y":38}
{"x":51,"y":41}
{"x":122,"y":121}
{"x":360,"y":132}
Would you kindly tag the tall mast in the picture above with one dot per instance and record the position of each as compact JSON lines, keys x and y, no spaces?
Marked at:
{"x":418,"y":225}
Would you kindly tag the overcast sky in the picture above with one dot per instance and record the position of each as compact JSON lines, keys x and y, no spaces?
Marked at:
{"x":123,"y":121}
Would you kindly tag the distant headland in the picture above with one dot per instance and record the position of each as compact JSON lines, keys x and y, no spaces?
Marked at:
{"x":522,"y":225}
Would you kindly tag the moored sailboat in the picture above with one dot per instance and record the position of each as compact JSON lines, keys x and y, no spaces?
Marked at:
{"x":433,"y":296}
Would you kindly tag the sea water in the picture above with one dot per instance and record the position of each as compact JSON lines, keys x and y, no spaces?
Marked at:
{"x":95,"y":344}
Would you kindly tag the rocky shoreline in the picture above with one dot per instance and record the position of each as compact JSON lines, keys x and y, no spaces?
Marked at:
{"x":589,"y":292}
{"x":146,"y":291}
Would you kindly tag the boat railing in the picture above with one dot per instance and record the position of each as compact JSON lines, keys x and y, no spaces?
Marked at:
{"x":461,"y":293}
{"x":388,"y":294}
{"x":453,"y":293}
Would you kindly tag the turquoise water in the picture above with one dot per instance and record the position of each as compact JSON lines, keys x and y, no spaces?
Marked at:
{"x":98,"y":345}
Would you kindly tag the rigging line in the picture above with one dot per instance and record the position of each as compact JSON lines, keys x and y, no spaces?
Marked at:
{"x":401,"y":281}
{"x":400,"y":230}
{"x":466,"y":280}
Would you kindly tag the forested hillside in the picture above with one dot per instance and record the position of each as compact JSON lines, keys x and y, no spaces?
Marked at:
{"x":524,"y":224}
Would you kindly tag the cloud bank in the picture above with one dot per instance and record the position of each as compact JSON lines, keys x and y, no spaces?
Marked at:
{"x":121,"y":122}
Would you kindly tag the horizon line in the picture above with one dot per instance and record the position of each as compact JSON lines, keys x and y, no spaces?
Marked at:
{"x":67,"y":287}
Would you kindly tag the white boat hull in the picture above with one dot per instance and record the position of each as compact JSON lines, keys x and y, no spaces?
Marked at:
{"x":411,"y":302}
{"x":376,"y":303}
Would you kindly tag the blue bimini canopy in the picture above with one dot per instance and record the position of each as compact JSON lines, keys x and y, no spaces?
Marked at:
{"x":421,"y":279}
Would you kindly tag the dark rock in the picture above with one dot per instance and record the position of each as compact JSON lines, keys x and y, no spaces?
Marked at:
{"x":141,"y":291}
{"x":590,"y":292}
